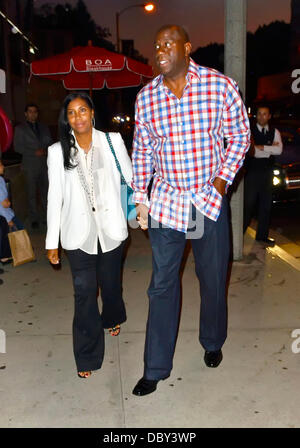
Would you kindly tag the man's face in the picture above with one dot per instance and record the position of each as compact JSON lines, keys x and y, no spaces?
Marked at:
{"x":31,"y":114}
{"x":263,"y":116}
{"x":172,"y":53}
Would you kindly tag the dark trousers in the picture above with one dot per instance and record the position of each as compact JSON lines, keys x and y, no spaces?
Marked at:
{"x":89,"y":272}
{"x":5,"y":251}
{"x":36,"y":180}
{"x":211,"y":253}
{"x":258,"y":192}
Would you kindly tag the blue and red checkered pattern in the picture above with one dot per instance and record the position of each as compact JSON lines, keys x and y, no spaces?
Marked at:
{"x":182,"y":140}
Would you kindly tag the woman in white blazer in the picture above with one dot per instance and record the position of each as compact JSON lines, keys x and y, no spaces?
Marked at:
{"x":85,"y":213}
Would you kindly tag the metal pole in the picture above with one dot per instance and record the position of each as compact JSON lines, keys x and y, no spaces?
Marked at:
{"x":139,"y":5}
{"x":235,"y":67}
{"x":118,"y":31}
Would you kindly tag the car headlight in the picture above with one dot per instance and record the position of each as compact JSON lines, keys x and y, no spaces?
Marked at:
{"x":276,"y":181}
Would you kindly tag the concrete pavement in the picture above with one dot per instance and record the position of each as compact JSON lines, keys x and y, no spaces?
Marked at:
{"x":256,"y":385}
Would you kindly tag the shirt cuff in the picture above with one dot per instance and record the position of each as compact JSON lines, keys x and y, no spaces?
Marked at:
{"x":140,"y":197}
{"x":226,"y":174}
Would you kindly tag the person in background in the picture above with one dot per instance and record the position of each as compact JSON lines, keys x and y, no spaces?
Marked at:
{"x":31,"y":139}
{"x":85,"y":213}
{"x":266,"y":143}
{"x":5,"y":252}
{"x":182,"y":117}
{"x":6,"y":221}
{"x":5,"y":210}
{"x":1,"y":270}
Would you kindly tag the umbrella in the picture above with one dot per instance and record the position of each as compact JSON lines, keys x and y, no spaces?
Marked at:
{"x":92,"y":68}
{"x":6,"y":131}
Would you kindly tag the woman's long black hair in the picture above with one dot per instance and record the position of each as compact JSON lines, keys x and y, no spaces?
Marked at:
{"x":64,"y":129}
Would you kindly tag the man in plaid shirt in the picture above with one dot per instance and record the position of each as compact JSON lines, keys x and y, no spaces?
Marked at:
{"x":182,"y":118}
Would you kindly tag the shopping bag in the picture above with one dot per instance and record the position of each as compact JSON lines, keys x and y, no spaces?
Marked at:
{"x":21,"y":248}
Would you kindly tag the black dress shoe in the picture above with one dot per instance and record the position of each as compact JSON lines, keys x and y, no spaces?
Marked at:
{"x":145,"y":387}
{"x":213,"y":359}
{"x":1,"y":271}
{"x":268,"y":241}
{"x":1,"y":281}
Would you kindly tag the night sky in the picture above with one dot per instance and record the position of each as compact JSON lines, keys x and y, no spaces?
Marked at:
{"x":203,"y":19}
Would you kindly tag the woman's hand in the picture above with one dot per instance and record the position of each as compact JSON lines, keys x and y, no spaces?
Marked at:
{"x":142,"y":212}
{"x":6,"y":203}
{"x":52,"y":255}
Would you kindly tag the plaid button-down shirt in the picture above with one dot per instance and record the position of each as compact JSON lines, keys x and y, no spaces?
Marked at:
{"x":182,"y":140}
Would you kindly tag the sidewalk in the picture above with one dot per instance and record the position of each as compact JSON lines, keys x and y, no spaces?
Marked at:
{"x":256,"y":385}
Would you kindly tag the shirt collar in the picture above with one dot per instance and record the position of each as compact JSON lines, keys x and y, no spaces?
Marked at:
{"x":193,"y":71}
{"x":260,"y":127}
{"x":94,"y":140}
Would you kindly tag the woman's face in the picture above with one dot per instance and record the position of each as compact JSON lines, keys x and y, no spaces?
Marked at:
{"x":80,"y":116}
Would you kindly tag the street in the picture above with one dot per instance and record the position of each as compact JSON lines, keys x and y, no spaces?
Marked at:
{"x":285,"y":220}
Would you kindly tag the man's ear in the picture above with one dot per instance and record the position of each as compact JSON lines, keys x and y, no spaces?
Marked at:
{"x":187,"y":48}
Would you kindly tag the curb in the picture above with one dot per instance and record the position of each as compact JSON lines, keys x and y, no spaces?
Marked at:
{"x":279,"y":252}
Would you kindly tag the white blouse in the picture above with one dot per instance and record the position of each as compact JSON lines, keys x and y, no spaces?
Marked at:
{"x":90,"y":245}
{"x":70,"y":218}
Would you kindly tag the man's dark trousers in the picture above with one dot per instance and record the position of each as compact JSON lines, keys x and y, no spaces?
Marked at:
{"x":37,"y":180}
{"x":258,"y":189}
{"x":211,"y":254}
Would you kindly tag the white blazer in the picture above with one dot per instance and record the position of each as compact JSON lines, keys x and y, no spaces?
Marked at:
{"x":67,"y":215}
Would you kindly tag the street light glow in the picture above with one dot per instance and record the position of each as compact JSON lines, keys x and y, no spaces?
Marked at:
{"x":149,"y":7}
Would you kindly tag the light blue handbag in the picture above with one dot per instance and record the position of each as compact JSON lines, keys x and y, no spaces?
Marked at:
{"x":126,"y":191}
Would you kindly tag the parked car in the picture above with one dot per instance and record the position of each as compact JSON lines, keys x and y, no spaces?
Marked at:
{"x":286,"y":172}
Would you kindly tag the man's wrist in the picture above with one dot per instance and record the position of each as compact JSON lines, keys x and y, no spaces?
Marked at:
{"x":220,"y":185}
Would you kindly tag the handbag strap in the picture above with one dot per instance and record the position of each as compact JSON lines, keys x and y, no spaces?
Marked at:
{"x":123,"y":181}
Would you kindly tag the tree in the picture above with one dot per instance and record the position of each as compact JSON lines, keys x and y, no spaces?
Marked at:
{"x":210,"y":56}
{"x":75,"y":19}
{"x":268,"y":52}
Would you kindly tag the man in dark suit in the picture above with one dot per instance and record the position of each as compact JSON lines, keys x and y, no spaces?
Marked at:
{"x":32,"y":139}
{"x":266,"y":143}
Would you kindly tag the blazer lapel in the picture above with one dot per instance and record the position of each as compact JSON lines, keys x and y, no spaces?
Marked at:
{"x":31,"y":131}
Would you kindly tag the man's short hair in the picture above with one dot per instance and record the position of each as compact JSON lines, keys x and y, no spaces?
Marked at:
{"x":31,"y":105}
{"x":264,"y":106}
{"x":179,"y":29}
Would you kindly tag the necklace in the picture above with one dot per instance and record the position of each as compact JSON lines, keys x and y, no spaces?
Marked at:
{"x":88,"y":190}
